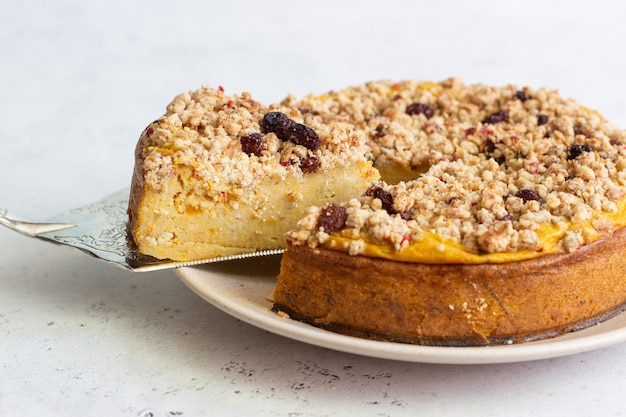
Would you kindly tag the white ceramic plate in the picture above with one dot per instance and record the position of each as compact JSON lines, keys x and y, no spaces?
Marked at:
{"x":243,"y":289}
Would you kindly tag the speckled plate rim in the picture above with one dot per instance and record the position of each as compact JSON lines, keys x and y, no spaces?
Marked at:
{"x":243,"y":290}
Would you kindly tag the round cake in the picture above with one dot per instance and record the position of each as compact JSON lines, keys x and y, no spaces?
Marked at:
{"x":423,"y":212}
{"x":510,"y":227}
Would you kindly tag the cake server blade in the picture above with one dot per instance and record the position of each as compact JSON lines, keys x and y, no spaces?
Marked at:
{"x":100,"y":230}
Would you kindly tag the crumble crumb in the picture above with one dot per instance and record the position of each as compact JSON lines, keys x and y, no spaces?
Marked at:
{"x":282,"y":314}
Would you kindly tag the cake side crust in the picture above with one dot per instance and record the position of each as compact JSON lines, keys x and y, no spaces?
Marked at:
{"x":453,"y":304}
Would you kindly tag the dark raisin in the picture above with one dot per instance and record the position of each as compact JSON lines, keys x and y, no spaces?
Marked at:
{"x":575,"y":150}
{"x":309,"y":164}
{"x":420,"y":108}
{"x":520,"y":95}
{"x":332,"y":218}
{"x":302,"y":135}
{"x":506,"y":218}
{"x":578,"y":130}
{"x":379,"y":132}
{"x":490,"y":148}
{"x":496,"y":117}
{"x":251,"y":144}
{"x":386,"y":199}
{"x":275,"y":122}
{"x":542,"y":119}
{"x":405,"y":215}
{"x":287,"y":129}
{"x":528,"y":195}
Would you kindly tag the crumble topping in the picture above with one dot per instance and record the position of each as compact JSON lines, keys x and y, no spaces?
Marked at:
{"x":222,"y":139}
{"x":499,"y":163}
{"x":482,"y":166}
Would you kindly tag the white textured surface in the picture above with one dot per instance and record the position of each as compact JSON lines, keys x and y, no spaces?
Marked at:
{"x":79,"y":80}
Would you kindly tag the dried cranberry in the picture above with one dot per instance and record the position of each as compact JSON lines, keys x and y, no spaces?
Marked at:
{"x":405,"y":215}
{"x":575,"y":150}
{"x":275,"y":122}
{"x":542,"y":119}
{"x":496,"y":117}
{"x":287,"y":129}
{"x":520,"y":95}
{"x":420,"y":108}
{"x":302,"y":135}
{"x":309,"y":164}
{"x":490,"y":148}
{"x":578,"y":130}
{"x":379,"y":132}
{"x":528,"y":195}
{"x":332,"y":218}
{"x":386,"y":199}
{"x":251,"y":144}
{"x":149,"y":129}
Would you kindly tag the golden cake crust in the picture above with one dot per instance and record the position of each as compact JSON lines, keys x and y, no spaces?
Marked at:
{"x":136,"y":188}
{"x":454,"y":305}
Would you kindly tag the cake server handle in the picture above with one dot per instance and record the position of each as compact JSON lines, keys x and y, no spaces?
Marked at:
{"x":29,"y":228}
{"x":100,"y":230}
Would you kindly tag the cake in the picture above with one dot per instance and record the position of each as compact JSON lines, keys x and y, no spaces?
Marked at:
{"x":514,"y":230}
{"x":421,"y":212}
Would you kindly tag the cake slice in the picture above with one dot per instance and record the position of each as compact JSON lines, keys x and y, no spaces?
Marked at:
{"x":222,"y":174}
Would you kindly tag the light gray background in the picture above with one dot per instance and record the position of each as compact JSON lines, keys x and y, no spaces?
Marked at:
{"x":79,"y":80}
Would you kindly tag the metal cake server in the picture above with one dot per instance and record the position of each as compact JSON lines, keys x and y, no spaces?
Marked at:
{"x":100,"y":229}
